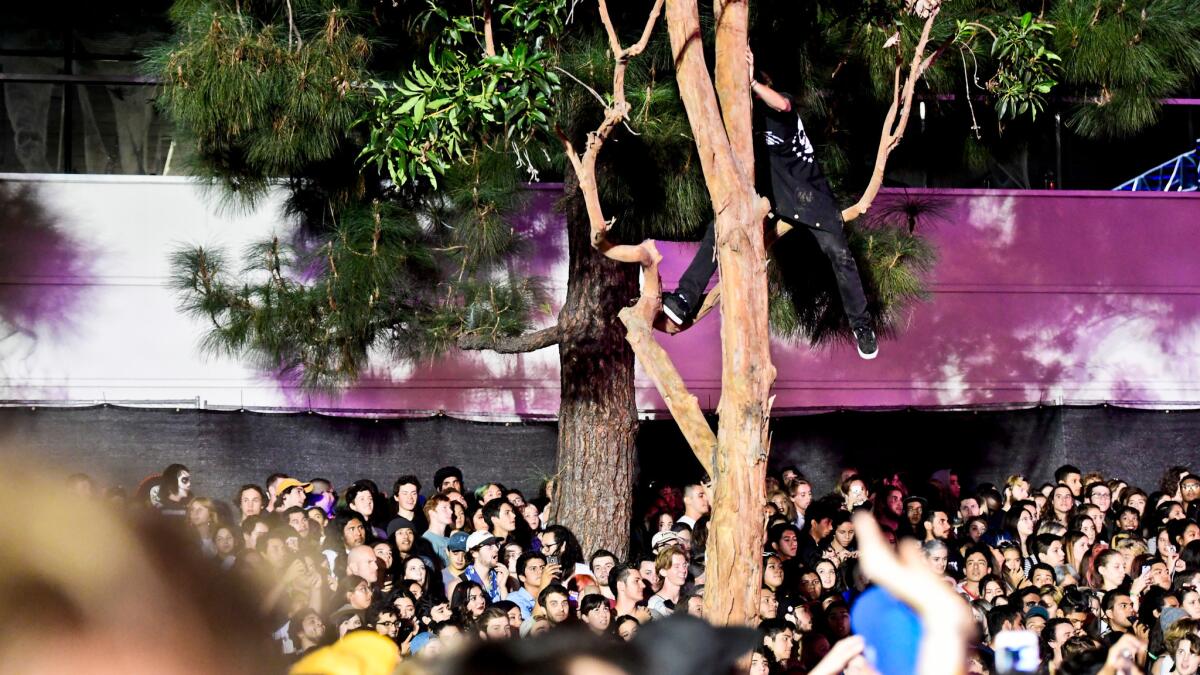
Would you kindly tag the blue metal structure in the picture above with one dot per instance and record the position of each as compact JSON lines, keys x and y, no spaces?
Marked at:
{"x":1181,"y":174}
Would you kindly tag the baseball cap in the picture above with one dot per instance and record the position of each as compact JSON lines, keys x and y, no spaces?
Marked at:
{"x":399,"y":523}
{"x":286,"y":484}
{"x":1037,"y":611}
{"x":663,"y":539}
{"x":458,"y":541}
{"x":478,"y":539}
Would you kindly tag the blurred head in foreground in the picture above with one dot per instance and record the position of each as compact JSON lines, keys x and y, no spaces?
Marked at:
{"x":87,"y":589}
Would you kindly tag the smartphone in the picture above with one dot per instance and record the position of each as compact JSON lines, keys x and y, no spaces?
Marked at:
{"x":1017,"y":652}
{"x":551,"y":560}
{"x":1145,"y":569}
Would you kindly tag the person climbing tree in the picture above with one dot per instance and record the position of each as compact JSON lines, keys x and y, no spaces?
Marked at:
{"x":801,"y":196}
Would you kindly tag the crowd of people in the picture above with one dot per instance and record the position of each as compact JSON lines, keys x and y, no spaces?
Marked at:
{"x":1093,"y":572}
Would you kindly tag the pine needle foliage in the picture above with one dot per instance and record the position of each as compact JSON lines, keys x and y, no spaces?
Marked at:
{"x":1126,"y":55}
{"x":321,"y":313}
{"x":261,"y":95}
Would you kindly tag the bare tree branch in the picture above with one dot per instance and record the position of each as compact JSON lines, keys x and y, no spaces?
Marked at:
{"x":518,"y":344}
{"x":489,"y":40}
{"x":893,"y":129}
{"x":684,"y":407}
{"x":639,"y":319}
{"x":614,"y":114}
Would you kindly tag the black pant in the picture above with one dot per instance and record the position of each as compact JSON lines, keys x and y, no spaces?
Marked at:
{"x":832,"y":241}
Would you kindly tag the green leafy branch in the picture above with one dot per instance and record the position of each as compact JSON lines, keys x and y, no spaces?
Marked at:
{"x":427,"y":121}
{"x":1026,"y":69}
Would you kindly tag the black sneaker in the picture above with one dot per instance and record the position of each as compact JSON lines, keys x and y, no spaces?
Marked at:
{"x":676,"y":307}
{"x":868,"y":344}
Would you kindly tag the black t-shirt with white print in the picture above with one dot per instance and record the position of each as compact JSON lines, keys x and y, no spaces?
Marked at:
{"x":799,"y":188}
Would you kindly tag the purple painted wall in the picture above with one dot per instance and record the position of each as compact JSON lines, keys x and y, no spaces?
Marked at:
{"x":1038,"y":297}
{"x":1051,"y":297}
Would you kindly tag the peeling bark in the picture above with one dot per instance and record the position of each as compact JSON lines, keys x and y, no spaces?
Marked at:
{"x":736,"y":458}
{"x":733,"y":564}
{"x":722,"y":132}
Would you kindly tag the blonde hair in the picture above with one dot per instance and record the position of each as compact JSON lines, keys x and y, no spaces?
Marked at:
{"x":206,"y":503}
{"x":789,"y":510}
{"x":1183,"y":629}
{"x":665,"y":557}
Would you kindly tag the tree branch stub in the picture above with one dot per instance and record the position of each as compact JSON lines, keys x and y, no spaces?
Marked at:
{"x":489,"y":40}
{"x":518,"y":344}
{"x":893,"y":129}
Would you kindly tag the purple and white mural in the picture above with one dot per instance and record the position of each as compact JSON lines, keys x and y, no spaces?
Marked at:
{"x":1038,"y":297}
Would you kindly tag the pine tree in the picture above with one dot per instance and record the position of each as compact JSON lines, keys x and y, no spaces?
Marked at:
{"x":274,"y":94}
{"x":430,"y":113}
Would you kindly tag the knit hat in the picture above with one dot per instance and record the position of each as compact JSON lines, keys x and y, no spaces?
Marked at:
{"x":400,"y":523}
{"x":684,"y":645}
{"x":1169,"y":616}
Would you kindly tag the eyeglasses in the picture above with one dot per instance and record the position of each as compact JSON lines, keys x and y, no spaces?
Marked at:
{"x":387,"y":624}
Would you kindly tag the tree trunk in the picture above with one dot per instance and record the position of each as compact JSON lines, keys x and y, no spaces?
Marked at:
{"x":735,"y":534}
{"x":597,"y":420}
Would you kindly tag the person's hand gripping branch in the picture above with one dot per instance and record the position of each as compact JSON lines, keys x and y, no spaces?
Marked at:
{"x":764,"y":92}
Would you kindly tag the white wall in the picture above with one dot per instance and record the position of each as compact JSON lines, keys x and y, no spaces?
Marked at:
{"x":112,"y":332}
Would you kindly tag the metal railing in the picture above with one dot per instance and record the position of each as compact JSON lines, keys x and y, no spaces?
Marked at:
{"x":1181,"y":174}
